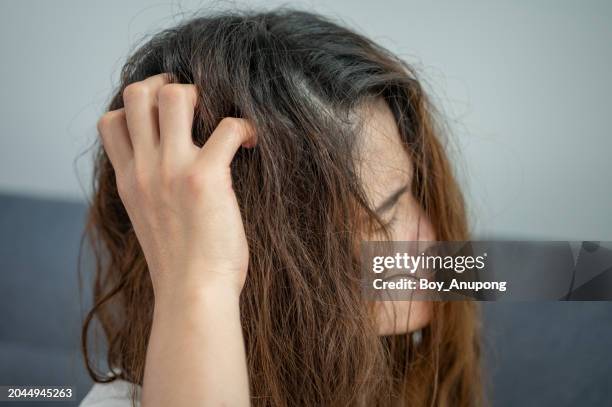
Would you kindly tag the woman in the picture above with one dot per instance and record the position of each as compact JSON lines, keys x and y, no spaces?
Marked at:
{"x":245,"y":156}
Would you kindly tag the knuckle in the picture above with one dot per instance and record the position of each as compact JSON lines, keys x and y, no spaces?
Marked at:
{"x":231,"y":125}
{"x":168,"y":177}
{"x":135,"y":91}
{"x":197,"y":182}
{"x":173,"y":93}
{"x":107,"y":121}
{"x":104,"y":124}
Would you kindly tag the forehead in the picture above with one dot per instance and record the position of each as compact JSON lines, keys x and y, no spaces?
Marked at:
{"x":383,"y":162}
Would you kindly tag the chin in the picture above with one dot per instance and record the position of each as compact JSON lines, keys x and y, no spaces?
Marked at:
{"x":401,"y":317}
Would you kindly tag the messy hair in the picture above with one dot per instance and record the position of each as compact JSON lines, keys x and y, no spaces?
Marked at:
{"x":310,"y":336}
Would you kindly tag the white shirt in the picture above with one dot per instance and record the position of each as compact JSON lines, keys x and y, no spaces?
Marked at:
{"x":113,"y":394}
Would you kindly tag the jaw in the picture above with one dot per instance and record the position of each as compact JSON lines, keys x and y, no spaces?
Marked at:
{"x":401,"y":317}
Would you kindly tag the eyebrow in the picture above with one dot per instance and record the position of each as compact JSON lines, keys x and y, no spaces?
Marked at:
{"x":391,"y":200}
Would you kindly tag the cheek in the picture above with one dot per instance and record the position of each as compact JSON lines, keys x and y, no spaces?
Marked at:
{"x":412,"y":225}
{"x":400,"y":317}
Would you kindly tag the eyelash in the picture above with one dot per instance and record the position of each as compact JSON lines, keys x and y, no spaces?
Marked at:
{"x":392,"y":220}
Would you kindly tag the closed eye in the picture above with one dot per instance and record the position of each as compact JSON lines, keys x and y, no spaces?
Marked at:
{"x":391,"y":221}
{"x":390,"y":202}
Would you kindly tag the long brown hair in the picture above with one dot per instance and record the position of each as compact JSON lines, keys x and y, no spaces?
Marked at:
{"x":310,"y":338}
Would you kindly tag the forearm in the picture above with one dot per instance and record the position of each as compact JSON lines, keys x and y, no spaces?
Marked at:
{"x":196,"y":352}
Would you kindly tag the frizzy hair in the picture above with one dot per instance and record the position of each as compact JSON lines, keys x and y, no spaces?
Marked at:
{"x":310,"y":337}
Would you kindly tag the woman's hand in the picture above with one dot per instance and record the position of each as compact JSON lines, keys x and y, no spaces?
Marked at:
{"x":179,"y":197}
{"x":180,"y":200}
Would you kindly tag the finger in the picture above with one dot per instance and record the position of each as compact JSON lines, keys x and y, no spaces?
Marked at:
{"x":113,"y":130}
{"x":176,"y":104}
{"x":230,"y":134}
{"x":140,"y":101}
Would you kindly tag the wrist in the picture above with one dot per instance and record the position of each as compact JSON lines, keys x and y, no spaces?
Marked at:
{"x":186,"y":294}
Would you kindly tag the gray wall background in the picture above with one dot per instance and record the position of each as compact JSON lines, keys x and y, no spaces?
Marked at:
{"x":525,"y":88}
